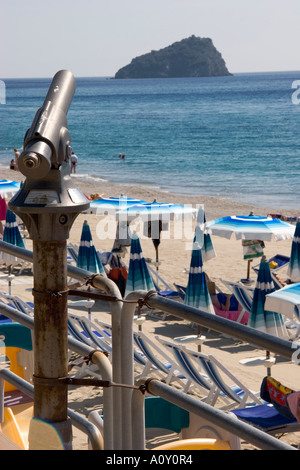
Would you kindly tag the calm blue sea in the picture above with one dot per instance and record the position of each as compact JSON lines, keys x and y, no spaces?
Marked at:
{"x":235,"y":137}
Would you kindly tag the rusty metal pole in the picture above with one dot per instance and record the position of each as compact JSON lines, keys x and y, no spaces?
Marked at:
{"x":50,"y":332}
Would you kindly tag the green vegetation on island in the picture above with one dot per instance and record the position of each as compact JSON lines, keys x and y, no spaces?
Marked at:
{"x":191,"y":57}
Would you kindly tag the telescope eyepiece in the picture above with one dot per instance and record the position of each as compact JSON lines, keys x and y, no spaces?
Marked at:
{"x":31,"y":160}
{"x":35,"y":161}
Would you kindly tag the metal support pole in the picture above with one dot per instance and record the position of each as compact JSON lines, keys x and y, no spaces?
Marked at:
{"x":50,"y":335}
{"x":104,"y":284}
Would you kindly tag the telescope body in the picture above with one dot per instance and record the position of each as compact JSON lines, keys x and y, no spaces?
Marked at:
{"x":47,"y":143}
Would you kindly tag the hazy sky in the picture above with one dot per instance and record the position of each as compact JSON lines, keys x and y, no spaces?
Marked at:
{"x":97,"y":37}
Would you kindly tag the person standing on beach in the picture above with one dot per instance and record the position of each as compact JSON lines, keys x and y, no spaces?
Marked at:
{"x":74,"y":160}
{"x":17,"y":154}
{"x":12,"y":165}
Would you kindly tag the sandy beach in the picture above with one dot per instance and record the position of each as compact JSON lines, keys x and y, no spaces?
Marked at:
{"x":174,"y":255}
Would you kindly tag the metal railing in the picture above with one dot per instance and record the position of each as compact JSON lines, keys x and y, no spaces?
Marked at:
{"x":123,"y":349}
{"x":216,"y":417}
{"x":78,"y":421}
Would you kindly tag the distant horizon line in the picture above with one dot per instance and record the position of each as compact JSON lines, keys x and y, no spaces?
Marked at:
{"x":113,"y":77}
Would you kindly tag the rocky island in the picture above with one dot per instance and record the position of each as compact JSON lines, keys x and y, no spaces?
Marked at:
{"x":191,"y":57}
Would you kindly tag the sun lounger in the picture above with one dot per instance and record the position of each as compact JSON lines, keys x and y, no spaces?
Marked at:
{"x":77,"y":330}
{"x":285,"y":218}
{"x":278,"y":261}
{"x":180,"y":289}
{"x":16,"y":302}
{"x":231,"y":392}
{"x":243,"y":294}
{"x":105,"y":256}
{"x":98,"y":336}
{"x":280,"y":411}
{"x":167,"y":290}
{"x":225,"y":306}
{"x":73,"y":252}
{"x":93,"y":333}
{"x":24,"y":265}
{"x":267,"y":418}
{"x":160,"y":362}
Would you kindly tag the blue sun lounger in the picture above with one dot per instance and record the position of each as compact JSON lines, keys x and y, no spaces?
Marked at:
{"x":243,"y":294}
{"x":192,"y":364}
{"x":158,"y":360}
{"x":267,"y":418}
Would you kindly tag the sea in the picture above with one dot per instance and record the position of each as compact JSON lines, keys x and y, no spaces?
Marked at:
{"x":233,"y":137}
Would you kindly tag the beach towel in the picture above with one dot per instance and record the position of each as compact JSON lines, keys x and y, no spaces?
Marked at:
{"x":234,"y":315}
{"x":275,"y":393}
{"x":3,"y":208}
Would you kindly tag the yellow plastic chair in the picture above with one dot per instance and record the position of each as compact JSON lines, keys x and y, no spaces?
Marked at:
{"x":17,"y":341}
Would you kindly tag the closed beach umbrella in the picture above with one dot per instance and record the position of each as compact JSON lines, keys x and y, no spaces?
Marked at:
{"x":261,"y":319}
{"x":88,"y":257}
{"x":139,"y":277}
{"x":197,"y":294}
{"x":203,"y":238}
{"x":286,"y":301}
{"x":293,"y":271}
{"x":11,"y":235}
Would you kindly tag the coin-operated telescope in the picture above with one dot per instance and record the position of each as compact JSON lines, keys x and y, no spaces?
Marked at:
{"x":48,"y":202}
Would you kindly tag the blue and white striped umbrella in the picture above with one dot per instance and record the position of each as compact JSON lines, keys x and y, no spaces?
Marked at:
{"x":8,"y":188}
{"x":293,"y":271}
{"x":139,"y":277}
{"x":203,"y":238}
{"x":197,"y":294}
{"x":261,"y":319}
{"x":157,"y":210}
{"x":285,"y":300}
{"x":250,"y":227}
{"x":111,"y":205}
{"x":88,"y":257}
{"x":11,"y":235}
